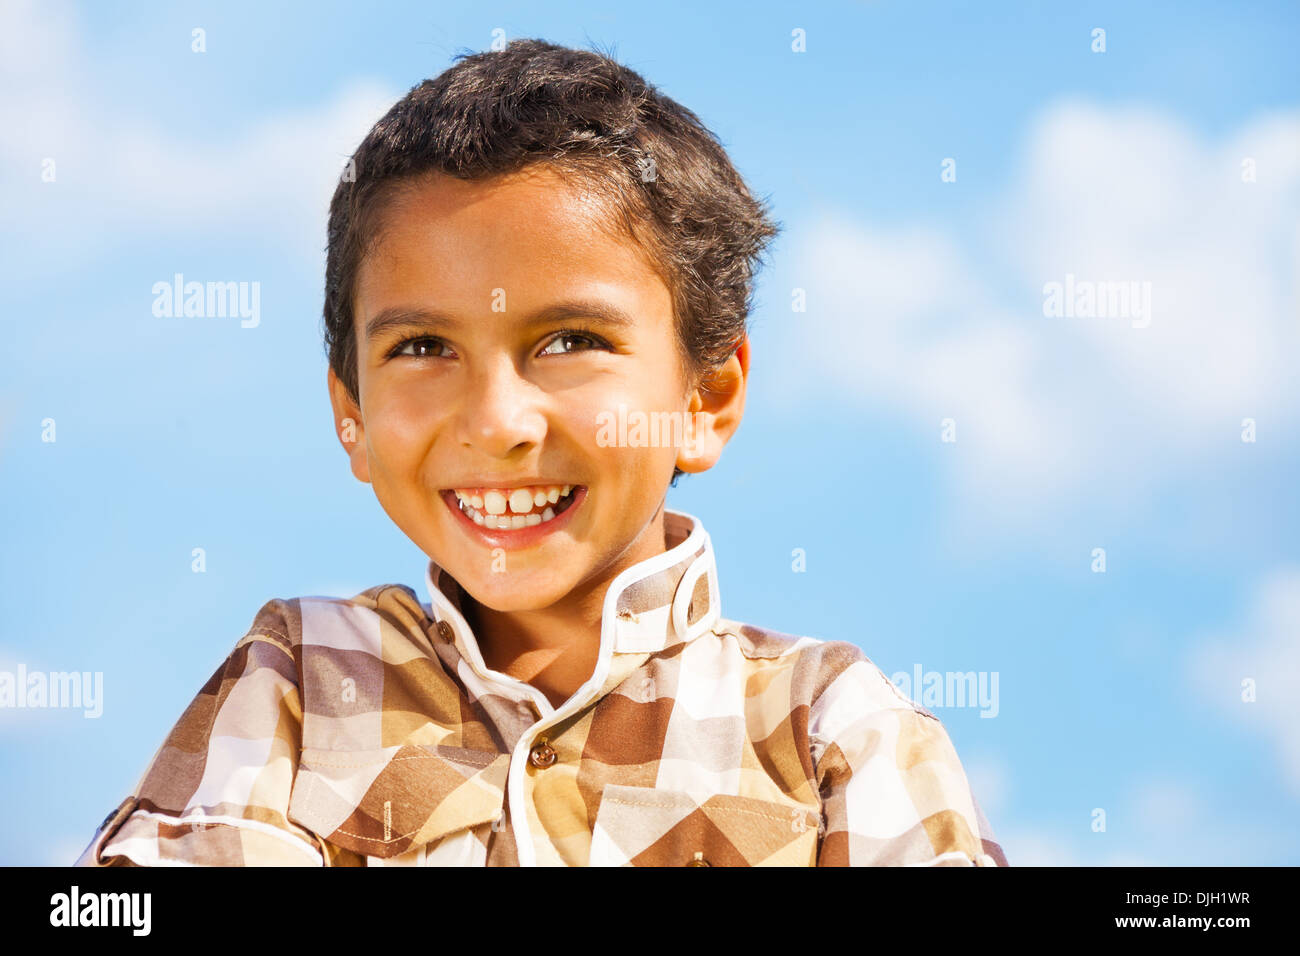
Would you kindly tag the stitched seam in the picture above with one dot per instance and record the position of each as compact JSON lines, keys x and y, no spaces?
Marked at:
{"x":366,"y":839}
{"x":263,"y":634}
{"x":311,"y":785}
{"x":391,"y":587}
{"x":398,"y":839}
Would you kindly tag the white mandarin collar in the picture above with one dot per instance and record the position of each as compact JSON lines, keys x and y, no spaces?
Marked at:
{"x":663,"y":600}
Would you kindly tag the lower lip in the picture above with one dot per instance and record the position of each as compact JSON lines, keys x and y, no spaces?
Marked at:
{"x":514,"y":537}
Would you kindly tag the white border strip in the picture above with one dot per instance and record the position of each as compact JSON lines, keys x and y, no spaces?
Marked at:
{"x":650,"y":566}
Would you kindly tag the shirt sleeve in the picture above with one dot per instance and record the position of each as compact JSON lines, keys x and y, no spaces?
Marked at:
{"x":216,"y":793}
{"x":892,"y":788}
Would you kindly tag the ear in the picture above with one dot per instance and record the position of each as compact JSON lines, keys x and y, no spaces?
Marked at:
{"x":715,"y":410}
{"x":348,"y":427}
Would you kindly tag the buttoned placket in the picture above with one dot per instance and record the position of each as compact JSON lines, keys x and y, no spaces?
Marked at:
{"x":533,"y":749}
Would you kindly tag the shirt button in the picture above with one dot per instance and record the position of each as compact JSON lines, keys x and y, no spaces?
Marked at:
{"x":444,"y":630}
{"x":542,"y":756}
{"x":698,"y":860}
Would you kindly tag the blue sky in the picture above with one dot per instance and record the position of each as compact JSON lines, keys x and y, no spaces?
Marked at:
{"x":1119,"y":690}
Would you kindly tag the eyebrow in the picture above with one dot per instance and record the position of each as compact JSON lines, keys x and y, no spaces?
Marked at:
{"x":406,"y":318}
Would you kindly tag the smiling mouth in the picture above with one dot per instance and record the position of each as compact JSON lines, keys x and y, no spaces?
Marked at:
{"x":512,"y":510}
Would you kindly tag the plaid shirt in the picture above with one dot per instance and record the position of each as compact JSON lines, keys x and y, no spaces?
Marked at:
{"x":370,"y":731}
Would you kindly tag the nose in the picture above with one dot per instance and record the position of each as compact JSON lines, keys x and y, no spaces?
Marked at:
{"x":499,"y":410}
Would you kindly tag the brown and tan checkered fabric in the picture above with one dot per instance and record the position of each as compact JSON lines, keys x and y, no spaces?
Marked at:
{"x":368,"y":731}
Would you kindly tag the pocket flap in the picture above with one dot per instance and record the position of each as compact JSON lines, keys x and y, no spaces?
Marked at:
{"x":645,"y":826}
{"x":385,"y":802}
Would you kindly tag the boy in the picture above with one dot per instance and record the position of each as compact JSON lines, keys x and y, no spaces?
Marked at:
{"x":523,"y":249}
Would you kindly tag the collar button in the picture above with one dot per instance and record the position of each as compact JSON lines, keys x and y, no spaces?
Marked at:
{"x":444,"y":630}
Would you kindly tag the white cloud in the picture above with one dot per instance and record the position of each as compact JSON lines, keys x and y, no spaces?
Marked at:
{"x":1035,"y":846}
{"x":1038,"y":845}
{"x":1130,"y":194}
{"x":1265,"y":649}
{"x":1179,"y":827}
{"x":1049,"y":406}
{"x":1160,"y":821}
{"x":989,"y":779}
{"x":1163,"y":807}
{"x":1148,"y":826}
{"x":122,"y":174}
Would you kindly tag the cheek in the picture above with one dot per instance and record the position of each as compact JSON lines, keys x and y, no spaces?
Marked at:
{"x":580,"y":414}
{"x":645,"y":383}
{"x":405,"y":423}
{"x":609,"y":434}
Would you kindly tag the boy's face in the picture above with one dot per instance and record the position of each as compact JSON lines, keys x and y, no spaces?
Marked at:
{"x":489,"y":395}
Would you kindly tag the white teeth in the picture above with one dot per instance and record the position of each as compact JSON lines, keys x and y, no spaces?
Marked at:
{"x":499,"y":501}
{"x":517,"y":501}
{"x":495,"y":503}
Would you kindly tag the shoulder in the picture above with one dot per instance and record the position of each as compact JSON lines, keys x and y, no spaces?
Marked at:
{"x":295,"y":646}
{"x":356,"y":623}
{"x":823,"y":674}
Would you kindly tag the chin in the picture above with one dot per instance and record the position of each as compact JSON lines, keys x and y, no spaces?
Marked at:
{"x":506,"y":593}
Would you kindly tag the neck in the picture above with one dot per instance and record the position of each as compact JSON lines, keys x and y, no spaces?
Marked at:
{"x":556,"y":648}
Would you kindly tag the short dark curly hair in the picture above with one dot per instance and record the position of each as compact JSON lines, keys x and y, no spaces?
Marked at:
{"x":594,"y":122}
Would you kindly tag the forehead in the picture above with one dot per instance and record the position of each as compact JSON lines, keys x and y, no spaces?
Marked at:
{"x":532,"y":233}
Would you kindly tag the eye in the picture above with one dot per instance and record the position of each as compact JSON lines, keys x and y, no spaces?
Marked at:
{"x":571,"y":335}
{"x":417,"y":348}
